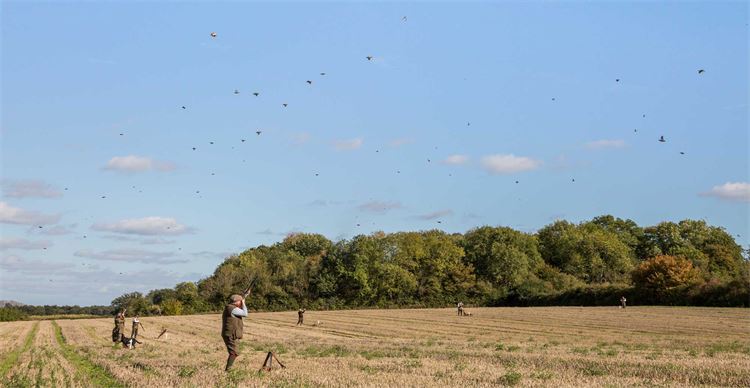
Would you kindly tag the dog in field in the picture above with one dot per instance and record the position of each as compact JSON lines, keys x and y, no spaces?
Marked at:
{"x":317,"y":323}
{"x":468,"y":313}
{"x":128,"y":342}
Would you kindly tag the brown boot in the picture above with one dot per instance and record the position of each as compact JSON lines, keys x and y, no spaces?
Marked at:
{"x":230,"y":361}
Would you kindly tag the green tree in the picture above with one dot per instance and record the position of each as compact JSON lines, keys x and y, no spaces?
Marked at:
{"x":503,"y":257}
{"x":587,"y":251}
{"x":710,"y":249}
{"x":171,"y":307}
{"x":134,"y":302}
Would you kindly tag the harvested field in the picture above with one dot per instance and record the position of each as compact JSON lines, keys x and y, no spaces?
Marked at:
{"x":561,"y":346}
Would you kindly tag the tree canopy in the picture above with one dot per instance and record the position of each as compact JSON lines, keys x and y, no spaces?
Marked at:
{"x":485,"y":266}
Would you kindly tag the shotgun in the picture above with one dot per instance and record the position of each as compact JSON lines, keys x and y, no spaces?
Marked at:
{"x":250,"y":287}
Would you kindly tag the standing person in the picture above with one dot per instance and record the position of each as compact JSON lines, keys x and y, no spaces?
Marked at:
{"x":231,"y":326}
{"x":460,"y":308}
{"x":136,"y":323}
{"x":300,"y":316}
{"x":119,"y":326}
{"x":623,"y":302}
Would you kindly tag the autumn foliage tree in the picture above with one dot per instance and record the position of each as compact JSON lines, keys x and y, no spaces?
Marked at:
{"x":664,"y":273}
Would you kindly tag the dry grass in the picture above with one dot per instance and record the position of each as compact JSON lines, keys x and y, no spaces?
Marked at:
{"x":497,"y":346}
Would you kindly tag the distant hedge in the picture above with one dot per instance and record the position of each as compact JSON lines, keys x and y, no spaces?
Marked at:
{"x":8,"y":314}
{"x":733,"y":294}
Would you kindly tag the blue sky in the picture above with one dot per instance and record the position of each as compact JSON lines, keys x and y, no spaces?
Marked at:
{"x":490,"y":93}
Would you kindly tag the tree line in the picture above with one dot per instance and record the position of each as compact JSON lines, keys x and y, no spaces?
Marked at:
{"x":590,"y":263}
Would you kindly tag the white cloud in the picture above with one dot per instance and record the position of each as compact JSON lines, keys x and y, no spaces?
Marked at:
{"x":509,"y":163}
{"x":29,"y":189}
{"x":456,"y":159}
{"x":211,"y":255}
{"x":22,"y":243}
{"x":131,"y":256}
{"x":57,"y":230}
{"x":400,"y":141}
{"x":435,"y":215}
{"x":323,"y":202}
{"x":147,"y":226}
{"x":348,"y":145}
{"x":379,"y":207}
{"x":601,"y":144}
{"x":133,"y":163}
{"x":13,"y":263}
{"x":731,"y":191}
{"x":14,"y":215}
{"x":87,"y":285}
{"x":143,"y":241}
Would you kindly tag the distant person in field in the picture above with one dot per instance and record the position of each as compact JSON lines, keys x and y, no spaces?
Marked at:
{"x":623,"y":302}
{"x":231,"y":326}
{"x":119,"y":326}
{"x":300,"y":316}
{"x":460,"y":308}
{"x":136,"y":323}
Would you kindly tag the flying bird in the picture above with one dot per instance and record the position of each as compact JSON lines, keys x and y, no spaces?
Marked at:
{"x":322,"y":73}
{"x":256,"y":94}
{"x":183,"y":107}
{"x":662,"y":140}
{"x":284,"y":105}
{"x":258,"y":132}
{"x":553,"y":99}
{"x":682,"y":153}
{"x":243,"y":140}
{"x":236,"y":91}
{"x":104,"y":196}
{"x":516,"y":182}
{"x":194,"y":148}
{"x":211,"y":142}
{"x":122,"y":134}
{"x":617,"y":80}
{"x":309,"y":82}
{"x":369,"y":57}
{"x":701,"y":71}
{"x":213,"y":34}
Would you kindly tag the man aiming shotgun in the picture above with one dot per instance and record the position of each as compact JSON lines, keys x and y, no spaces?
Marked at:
{"x":231,"y":324}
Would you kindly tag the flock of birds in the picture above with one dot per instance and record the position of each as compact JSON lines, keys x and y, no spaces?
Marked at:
{"x":214,"y":35}
{"x":369,"y":58}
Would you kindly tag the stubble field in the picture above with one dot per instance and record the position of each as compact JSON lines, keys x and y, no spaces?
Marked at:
{"x":555,"y":346}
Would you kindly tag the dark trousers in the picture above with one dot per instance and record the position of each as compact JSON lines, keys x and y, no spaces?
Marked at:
{"x":231,"y":344}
